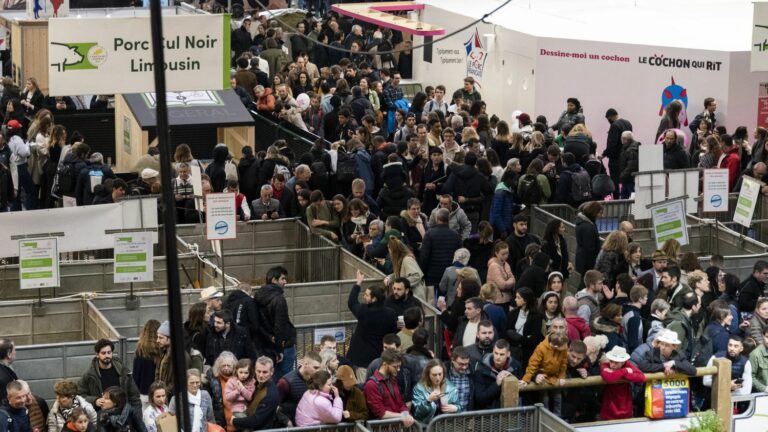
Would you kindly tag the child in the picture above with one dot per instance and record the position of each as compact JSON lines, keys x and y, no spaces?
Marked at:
{"x":240,"y":387}
{"x":659,"y":309}
{"x":548,"y":364}
{"x":242,"y":207}
{"x":157,"y":405}
{"x":77,"y":421}
{"x":617,"y":398}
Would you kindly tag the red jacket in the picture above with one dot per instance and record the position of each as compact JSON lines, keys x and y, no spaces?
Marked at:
{"x":617,"y":398}
{"x":578,"y":329}
{"x":732,"y":161}
{"x":383,"y":395}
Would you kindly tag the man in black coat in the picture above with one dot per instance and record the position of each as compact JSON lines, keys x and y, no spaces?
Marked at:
{"x":437,"y":249}
{"x":227,"y":337}
{"x":518,"y":241}
{"x":241,"y":38}
{"x":245,"y":315}
{"x":402,"y":298}
{"x":278,"y":335}
{"x":490,"y":374}
{"x":753,"y":287}
{"x":7,"y":356}
{"x":675,"y":156}
{"x":263,"y":407}
{"x":469,"y":188}
{"x":613,"y":145}
{"x":374,"y":320}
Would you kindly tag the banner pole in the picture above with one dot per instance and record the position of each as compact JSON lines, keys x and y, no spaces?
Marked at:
{"x":169,"y":218}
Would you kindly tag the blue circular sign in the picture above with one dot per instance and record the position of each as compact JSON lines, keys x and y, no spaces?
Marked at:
{"x":221,"y":227}
{"x":339,"y":335}
{"x":716,"y":200}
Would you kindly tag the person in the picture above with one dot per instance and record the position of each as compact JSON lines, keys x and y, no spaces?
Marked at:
{"x":266,"y":207}
{"x":227,"y":336}
{"x":548,"y":364}
{"x":611,"y":255}
{"x":675,"y":156}
{"x":200,"y":404}
{"x":753,"y":287}
{"x":293,"y":385}
{"x":67,"y":400}
{"x":14,"y":416}
{"x":759,"y":320}
{"x":146,"y":357}
{"x":556,"y":247}
{"x":500,"y":273}
{"x":321,"y":403}
{"x":457,"y":220}
{"x":117,"y":414}
{"x":404,"y":264}
{"x":496,"y":314}
{"x":576,"y":327}
{"x":572,"y":114}
{"x":401,"y":298}
{"x":107,"y":371}
{"x":382,"y":393}
{"x":156,"y":406}
{"x":535,"y":275}
{"x":450,"y":280}
{"x":240,"y":387}
{"x":632,"y":320}
{"x":665,"y":357}
{"x":588,"y":298}
{"x":374,"y":321}
{"x":164,"y":370}
{"x":710,"y":106}
{"x":78,"y":421}
{"x":216,"y":380}
{"x":587,"y":236}
{"x":524,"y":325}
{"x":434,"y":394}
{"x":718,"y":328}
{"x":490,"y":374}
{"x":352,"y":397}
{"x":466,"y":331}
{"x":614,"y":144}
{"x":609,"y":324}
{"x":321,"y":217}
{"x":243,"y":309}
{"x":7,"y":357}
{"x":437,"y":250}
{"x":679,"y":321}
{"x":263,"y":407}
{"x":278,"y":337}
{"x":330,"y":361}
{"x":617,"y":398}
{"x":741,"y":367}
{"x":550,"y":310}
{"x":655,"y":323}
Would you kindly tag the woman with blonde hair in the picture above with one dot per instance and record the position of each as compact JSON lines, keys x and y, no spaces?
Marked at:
{"x":671,"y":248}
{"x":610,"y":256}
{"x":32,"y":98}
{"x":496,"y":313}
{"x":434,"y":391}
{"x":147,"y":357}
{"x":404,"y":265}
{"x":330,"y":362}
{"x":579,"y":143}
{"x":500,"y":274}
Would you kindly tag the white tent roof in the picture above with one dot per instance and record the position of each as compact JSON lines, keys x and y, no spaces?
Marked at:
{"x":723,"y":25}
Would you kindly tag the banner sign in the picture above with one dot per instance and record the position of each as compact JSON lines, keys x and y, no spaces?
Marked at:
{"x":716,"y":190}
{"x":133,"y":258}
{"x":220,"y":216}
{"x":667,"y":398}
{"x":669,"y":222}
{"x":745,"y":205}
{"x":759,"y":57}
{"x":114,"y":55}
{"x":38,"y":263}
{"x":338,"y":333}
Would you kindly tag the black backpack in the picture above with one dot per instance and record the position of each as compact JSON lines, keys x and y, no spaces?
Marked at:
{"x":702,"y":351}
{"x":530,"y":189}
{"x":581,"y":186}
{"x":346,"y":167}
{"x":602,"y":186}
{"x":65,"y":180}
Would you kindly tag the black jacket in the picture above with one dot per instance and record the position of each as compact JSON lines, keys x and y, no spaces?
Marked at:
{"x":400,"y":306}
{"x":244,"y":312}
{"x":525,"y":342}
{"x":436,"y":252}
{"x":487,"y":392}
{"x":559,"y":260}
{"x":248,"y":176}
{"x":535,"y":276}
{"x":613,"y":143}
{"x":241,"y":41}
{"x":749,"y":291}
{"x":237,"y":342}
{"x":587,"y":244}
{"x":652,"y":362}
{"x":373,"y":322}
{"x":393,"y":200}
{"x":117,"y":420}
{"x":6,"y":375}
{"x":468,"y":182}
{"x":629,"y":161}
{"x":580,"y":146}
{"x":264,"y":417}
{"x":274,"y":318}
{"x":215,"y":170}
{"x":83,"y":194}
{"x":517,"y":247}
{"x":359,"y":107}
{"x":675,"y":157}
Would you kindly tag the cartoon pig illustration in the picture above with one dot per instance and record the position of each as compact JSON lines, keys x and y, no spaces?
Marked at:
{"x":62,"y":55}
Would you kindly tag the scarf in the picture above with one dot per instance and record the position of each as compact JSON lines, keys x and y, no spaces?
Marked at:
{"x":64,"y":412}
{"x":197,"y":411}
{"x":36,"y":418}
{"x":71,"y":426}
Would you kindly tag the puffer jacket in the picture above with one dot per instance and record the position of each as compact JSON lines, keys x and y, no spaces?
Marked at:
{"x":502,"y":208}
{"x":548,"y":361}
{"x":392,"y":200}
{"x":458,"y":220}
{"x":614,"y":332}
{"x":56,"y":420}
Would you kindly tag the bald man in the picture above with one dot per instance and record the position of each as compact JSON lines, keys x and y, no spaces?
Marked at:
{"x":759,"y":172}
{"x":302,"y":172}
{"x":627,"y":228}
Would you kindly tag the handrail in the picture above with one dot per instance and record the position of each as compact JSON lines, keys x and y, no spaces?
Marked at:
{"x":598,"y":380}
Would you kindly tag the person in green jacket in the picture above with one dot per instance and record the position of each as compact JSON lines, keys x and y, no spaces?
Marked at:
{"x":321,"y":218}
{"x":535,"y":169}
{"x":758,"y":359}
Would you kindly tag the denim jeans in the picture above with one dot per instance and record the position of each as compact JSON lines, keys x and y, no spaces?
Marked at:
{"x":626,"y":190}
{"x":287,"y":365}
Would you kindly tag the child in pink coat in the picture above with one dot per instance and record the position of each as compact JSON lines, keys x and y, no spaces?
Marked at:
{"x":240,"y":387}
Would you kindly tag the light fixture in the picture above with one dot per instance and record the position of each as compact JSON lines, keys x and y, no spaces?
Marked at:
{"x":490,"y":41}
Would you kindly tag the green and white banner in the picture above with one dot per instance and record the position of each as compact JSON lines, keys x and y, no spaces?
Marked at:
{"x":38,"y":263}
{"x":745,"y":205}
{"x":114,"y":55}
{"x":669,"y":221}
{"x":133,"y":258}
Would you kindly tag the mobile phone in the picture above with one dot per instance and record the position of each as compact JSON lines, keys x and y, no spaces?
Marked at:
{"x":739,"y":380}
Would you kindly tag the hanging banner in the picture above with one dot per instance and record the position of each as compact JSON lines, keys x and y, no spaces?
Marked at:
{"x":220,"y":216}
{"x":745,"y":205}
{"x":44,"y":9}
{"x":114,"y":55}
{"x":716,"y":190}
{"x":762,"y":105}
{"x":38,"y":263}
{"x":133,"y":258}
{"x":669,"y":222}
{"x":759,"y":57}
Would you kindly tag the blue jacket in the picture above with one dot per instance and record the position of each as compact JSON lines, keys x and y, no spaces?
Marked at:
{"x":13,"y":420}
{"x":365,"y":171}
{"x":719,"y":336}
{"x":423,"y":409}
{"x":633,"y":326}
{"x":264,"y":417}
{"x":502,"y":207}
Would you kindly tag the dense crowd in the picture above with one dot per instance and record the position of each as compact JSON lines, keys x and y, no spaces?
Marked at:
{"x":432,"y":191}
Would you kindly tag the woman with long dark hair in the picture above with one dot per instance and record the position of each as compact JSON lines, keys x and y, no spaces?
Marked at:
{"x":117,"y":414}
{"x":148,"y":355}
{"x":671,"y":119}
{"x":524,"y":324}
{"x":556,"y":247}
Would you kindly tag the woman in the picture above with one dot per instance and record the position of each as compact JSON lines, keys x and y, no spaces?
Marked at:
{"x":609,"y":324}
{"x":610,"y":256}
{"x":587,"y":236}
{"x":465,"y":290}
{"x":196,"y":327}
{"x":404,"y":264}
{"x":556,"y":284}
{"x":484,"y":130}
{"x":415,"y":224}
{"x":200,"y":405}
{"x":32,"y":98}
{"x":117,"y":415}
{"x":556,"y":247}
{"x":759,"y":150}
{"x":497,"y":314}
{"x":671,"y":119}
{"x":373,"y":98}
{"x":631,"y":261}
{"x":156,"y":407}
{"x":354,"y":226}
{"x":418,"y":355}
{"x":717,"y":330}
{"x":321,"y":403}
{"x":56,"y":143}
{"x":579,"y":142}
{"x":496,"y":169}
{"x":759,"y":321}
{"x":184,"y":154}
{"x":66,"y":401}
{"x":698,"y":146}
{"x":216,"y":379}
{"x":534,"y":173}
{"x":671,"y":248}
{"x":595,"y":348}
{"x":270,"y":164}
{"x":500,"y":144}
{"x":330,"y":362}
{"x":535,"y":148}
{"x":417,"y":105}
{"x":688,"y":262}
{"x":147,"y":356}
{"x":500,"y":273}
{"x":712,"y":149}
{"x":741,"y":140}
{"x":549,"y":308}
{"x":301,"y":84}
{"x":480,"y":247}
{"x":355,"y":407}
{"x":524,"y":325}
{"x":340,"y":206}
{"x":434,"y":394}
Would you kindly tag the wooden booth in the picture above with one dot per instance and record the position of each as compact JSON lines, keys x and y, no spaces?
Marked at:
{"x":217,"y":114}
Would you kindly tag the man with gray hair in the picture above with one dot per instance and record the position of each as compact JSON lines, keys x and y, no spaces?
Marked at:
{"x":759,"y":171}
{"x":436,"y":250}
{"x":450,"y":277}
{"x":301,"y":172}
{"x":266,"y":207}
{"x":265,"y":399}
{"x":92,"y":175}
{"x":628,"y":163}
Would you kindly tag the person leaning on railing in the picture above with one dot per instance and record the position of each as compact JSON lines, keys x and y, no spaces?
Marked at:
{"x":665,"y":357}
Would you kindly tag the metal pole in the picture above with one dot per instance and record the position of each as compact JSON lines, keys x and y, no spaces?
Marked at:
{"x":169,"y":219}
{"x":223,"y":277}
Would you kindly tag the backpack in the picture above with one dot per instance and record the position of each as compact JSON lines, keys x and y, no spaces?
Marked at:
{"x":230,"y":170}
{"x":282,"y":169}
{"x":702,"y":351}
{"x":386,"y":45}
{"x":580,"y":186}
{"x":602,"y":186}
{"x":530,"y":189}
{"x":65,"y":179}
{"x":346,"y":167}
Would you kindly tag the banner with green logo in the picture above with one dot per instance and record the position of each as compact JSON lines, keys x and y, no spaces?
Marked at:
{"x":669,"y":221}
{"x":114,"y":55}
{"x":133,"y":258}
{"x":38,"y":263}
{"x":745,"y":205}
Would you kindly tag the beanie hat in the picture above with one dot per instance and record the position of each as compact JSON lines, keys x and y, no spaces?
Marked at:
{"x":165,"y":329}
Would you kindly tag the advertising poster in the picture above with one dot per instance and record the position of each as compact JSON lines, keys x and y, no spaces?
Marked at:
{"x":745,"y":205}
{"x":38,"y":263}
{"x":667,"y":398}
{"x":220,"y":216}
{"x":716,"y":190}
{"x":669,"y":222}
{"x":133,"y":258}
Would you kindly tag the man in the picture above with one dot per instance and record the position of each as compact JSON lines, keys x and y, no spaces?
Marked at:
{"x":292,"y":386}
{"x":406,"y":376}
{"x":588,"y":299}
{"x":628,"y":163}
{"x":7,"y":357}
{"x":469,"y":187}
{"x":278,"y":335}
{"x":266,"y":207}
{"x":241,"y":305}
{"x":321,"y":217}
{"x":730,"y":160}
{"x":241,"y":39}
{"x":436,"y":104}
{"x":753,"y":287}
{"x":37,"y":408}
{"x":164,"y":370}
{"x":518,"y":241}
{"x":299,"y":43}
{"x":759,"y":171}
{"x":490,"y":374}
{"x":110,"y":192}
{"x":402,"y":297}
{"x":466,"y":332}
{"x":14,"y":416}
{"x":457,"y":219}
{"x":710,"y":106}
{"x":391,"y":93}
{"x":679,"y":321}
{"x":632,"y":320}
{"x":104,"y":372}
{"x":675,"y":156}
{"x":675,"y":290}
{"x":741,"y":368}
{"x":665,"y":356}
{"x":262,"y":408}
{"x":182,"y":190}
{"x":374,"y":320}
{"x":469,"y":93}
{"x":580,"y":403}
{"x":408,"y":129}
{"x":363,"y":159}
{"x":382,"y":393}
{"x":614,"y":144}
{"x":449,"y":281}
{"x":274,"y":56}
{"x":576,"y":327}
{"x":437,"y":250}
{"x":244,"y":77}
{"x":328,"y":342}
{"x":212,"y":298}
{"x":460,"y":374}
{"x":651,"y":278}
{"x":483,"y":345}
{"x":227,"y":337}
{"x":149,"y":180}
{"x":91,"y":176}
{"x":628,"y":229}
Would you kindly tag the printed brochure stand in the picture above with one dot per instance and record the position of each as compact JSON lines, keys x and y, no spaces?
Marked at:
{"x":39,"y":309}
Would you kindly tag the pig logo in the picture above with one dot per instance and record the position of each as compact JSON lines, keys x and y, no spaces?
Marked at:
{"x":76,"y":56}
{"x":675,"y":92}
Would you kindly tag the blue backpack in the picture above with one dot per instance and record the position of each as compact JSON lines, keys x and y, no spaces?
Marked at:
{"x":399,"y":104}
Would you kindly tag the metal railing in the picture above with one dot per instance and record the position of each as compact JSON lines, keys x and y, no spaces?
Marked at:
{"x":341,"y":427}
{"x":391,"y":425}
{"x":268,"y":131}
{"x":511,"y":419}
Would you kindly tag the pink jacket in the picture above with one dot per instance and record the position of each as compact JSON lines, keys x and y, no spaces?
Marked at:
{"x":317,"y":408}
{"x":237,"y":398}
{"x":502,"y":277}
{"x":578,"y":329}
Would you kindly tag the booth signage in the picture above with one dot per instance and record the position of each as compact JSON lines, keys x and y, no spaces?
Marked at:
{"x":759,"y":57}
{"x":220,"y":216}
{"x":114,"y":55}
{"x":133,"y":258}
{"x":667,"y":398}
{"x":745,"y":205}
{"x":716,"y":190}
{"x":669,"y":222}
{"x":38,"y":263}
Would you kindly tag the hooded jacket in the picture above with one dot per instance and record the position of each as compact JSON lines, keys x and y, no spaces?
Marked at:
{"x":468,"y":182}
{"x":617,"y":398}
{"x":248,"y":176}
{"x":675,"y":157}
{"x":457,"y":221}
{"x":274,"y":318}
{"x":580,"y":146}
{"x":487,"y":392}
{"x":89,"y":386}
{"x":215,"y":170}
{"x":502,"y":208}
{"x":548,"y":361}
{"x":577,"y":328}
{"x":614,"y":332}
{"x":392,"y":200}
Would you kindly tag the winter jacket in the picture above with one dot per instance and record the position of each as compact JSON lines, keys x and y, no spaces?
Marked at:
{"x":360,"y":105}
{"x":468,"y":182}
{"x":6,"y":376}
{"x":400,"y":306}
{"x":629,"y":161}
{"x":206,"y":406}
{"x":274,"y":318}
{"x":261,"y":412}
{"x":383,"y":395}
{"x":440,"y":242}
{"x":535,"y":276}
{"x":589,"y":307}
{"x":118,"y":420}
{"x":449,"y":280}
{"x":373,"y":322}
{"x":614,"y":332}
{"x":213,"y":386}
{"x":679,"y":322}
{"x":56,"y":420}
{"x":266,"y":102}
{"x":758,"y":359}
{"x":756,"y":326}
{"x":457,"y":221}
{"x":237,"y":341}
{"x":317,"y":408}
{"x":392,"y":200}
{"x":89,"y":386}
{"x":581,"y":146}
{"x":558,"y":255}
{"x":548,"y":361}
{"x":215,"y":170}
{"x":425,"y":410}
{"x":607,"y":263}
{"x":410,"y":270}
{"x":500,"y":274}
{"x":487,"y":392}
{"x":354,"y":402}
{"x":546,"y":191}
{"x":502,"y":208}
{"x":267,"y":168}
{"x":364,"y":170}
{"x":562,"y":193}
{"x":632,"y":322}
{"x":83,"y":190}
{"x":749,"y":291}
{"x":675,"y":157}
{"x":587,"y":244}
{"x":244,"y":312}
{"x":517,"y":246}
{"x":578,"y":329}
{"x":719,"y":336}
{"x":652,"y":362}
{"x":527,"y":341}
{"x":617,"y":398}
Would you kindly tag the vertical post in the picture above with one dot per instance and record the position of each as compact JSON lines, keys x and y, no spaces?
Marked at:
{"x":223,"y":277}
{"x":721,"y":391}
{"x":169,"y":219}
{"x":510,"y":392}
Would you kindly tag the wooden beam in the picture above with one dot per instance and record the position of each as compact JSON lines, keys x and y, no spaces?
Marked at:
{"x":721,"y":392}
{"x":598,"y":380}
